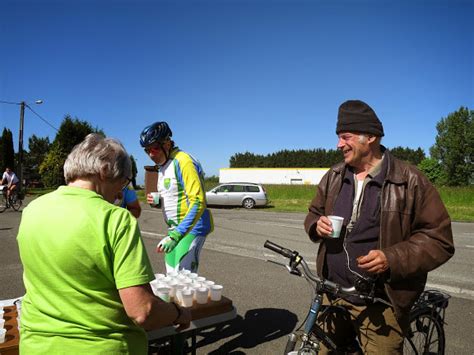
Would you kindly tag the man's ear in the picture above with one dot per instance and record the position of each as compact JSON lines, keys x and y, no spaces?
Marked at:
{"x":371,"y":139}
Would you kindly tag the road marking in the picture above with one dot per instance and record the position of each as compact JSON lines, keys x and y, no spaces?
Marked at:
{"x":453,"y":290}
{"x":153,"y":234}
{"x":273,"y":224}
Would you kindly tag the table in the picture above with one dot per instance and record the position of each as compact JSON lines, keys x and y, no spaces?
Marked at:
{"x":10,"y":346}
{"x":203,"y":316}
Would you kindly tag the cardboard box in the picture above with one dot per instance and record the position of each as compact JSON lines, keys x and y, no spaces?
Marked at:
{"x":151,"y":178}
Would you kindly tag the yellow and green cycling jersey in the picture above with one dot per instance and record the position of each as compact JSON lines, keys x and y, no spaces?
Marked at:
{"x":180,"y":184}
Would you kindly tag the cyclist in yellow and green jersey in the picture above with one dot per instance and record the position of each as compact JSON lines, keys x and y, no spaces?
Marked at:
{"x":181,"y":188}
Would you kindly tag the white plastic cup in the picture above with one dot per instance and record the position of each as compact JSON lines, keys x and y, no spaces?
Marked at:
{"x":336,"y":222}
{"x":185,"y":272}
{"x":208,"y":283}
{"x":166,"y":279}
{"x":216,"y":292}
{"x":193,"y":275}
{"x":200,"y":279}
{"x":163,"y":293}
{"x":17,"y":303}
{"x":187,"y":282}
{"x":160,"y":276}
{"x":156,"y":197}
{"x":172,"y":285}
{"x":172,"y":274}
{"x":202,"y":295}
{"x":154,"y":284}
{"x":2,"y":323}
{"x":179,"y":290}
{"x":3,"y":332}
{"x":187,"y":295}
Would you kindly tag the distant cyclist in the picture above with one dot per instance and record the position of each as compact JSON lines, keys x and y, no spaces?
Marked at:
{"x":10,"y":179}
{"x":180,"y":184}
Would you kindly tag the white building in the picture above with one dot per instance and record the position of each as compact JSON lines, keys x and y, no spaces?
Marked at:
{"x":283,"y":176}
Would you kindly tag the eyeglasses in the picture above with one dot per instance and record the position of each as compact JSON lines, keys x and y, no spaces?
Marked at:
{"x":149,"y":149}
{"x":125,"y":185}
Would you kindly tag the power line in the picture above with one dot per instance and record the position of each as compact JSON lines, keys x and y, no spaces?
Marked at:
{"x":9,"y":102}
{"x":44,"y":120}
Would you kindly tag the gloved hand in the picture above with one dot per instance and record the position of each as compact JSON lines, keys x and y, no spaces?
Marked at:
{"x":167,"y":244}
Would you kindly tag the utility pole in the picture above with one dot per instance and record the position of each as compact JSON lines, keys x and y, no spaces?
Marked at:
{"x":20,"y":144}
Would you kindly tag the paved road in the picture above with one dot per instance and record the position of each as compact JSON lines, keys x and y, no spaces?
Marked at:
{"x":269,"y":301}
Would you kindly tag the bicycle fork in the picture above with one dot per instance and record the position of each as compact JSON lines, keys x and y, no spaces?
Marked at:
{"x":308,"y":327}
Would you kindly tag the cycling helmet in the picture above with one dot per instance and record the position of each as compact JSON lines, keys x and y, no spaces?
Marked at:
{"x":157,"y":132}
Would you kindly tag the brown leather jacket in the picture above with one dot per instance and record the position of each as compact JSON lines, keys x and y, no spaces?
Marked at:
{"x":415,"y":228}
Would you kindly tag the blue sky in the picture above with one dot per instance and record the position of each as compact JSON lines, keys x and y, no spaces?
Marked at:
{"x":236,"y":76}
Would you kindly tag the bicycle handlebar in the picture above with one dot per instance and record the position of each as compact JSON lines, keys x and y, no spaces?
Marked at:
{"x":287,"y":253}
{"x":321,"y":284}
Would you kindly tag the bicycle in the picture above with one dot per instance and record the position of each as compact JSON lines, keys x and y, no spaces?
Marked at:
{"x":426,"y":333}
{"x":14,"y":201}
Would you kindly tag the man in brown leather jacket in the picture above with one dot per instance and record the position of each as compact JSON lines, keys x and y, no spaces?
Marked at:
{"x":396,"y":229}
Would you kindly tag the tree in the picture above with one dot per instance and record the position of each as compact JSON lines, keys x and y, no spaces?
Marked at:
{"x":70,"y":133}
{"x":51,"y":169}
{"x":412,"y":156}
{"x":433,"y":171}
{"x":7,"y":153}
{"x":454,"y":147}
{"x":38,"y":149}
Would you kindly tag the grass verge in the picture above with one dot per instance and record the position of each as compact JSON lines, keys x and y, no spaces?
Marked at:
{"x":459,"y":201}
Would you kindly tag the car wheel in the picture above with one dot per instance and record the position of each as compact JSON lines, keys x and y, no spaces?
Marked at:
{"x":248,"y":203}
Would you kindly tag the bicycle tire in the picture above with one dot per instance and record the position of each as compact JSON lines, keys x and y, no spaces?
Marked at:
{"x":15,"y":202}
{"x":3,"y":203}
{"x":425,"y":334}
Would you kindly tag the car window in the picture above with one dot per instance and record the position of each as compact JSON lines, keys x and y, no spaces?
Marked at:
{"x":252,"y":188}
{"x":238,"y":188}
{"x":224,"y":188}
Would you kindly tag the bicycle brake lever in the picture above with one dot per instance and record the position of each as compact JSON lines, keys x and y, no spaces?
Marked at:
{"x":293,"y":271}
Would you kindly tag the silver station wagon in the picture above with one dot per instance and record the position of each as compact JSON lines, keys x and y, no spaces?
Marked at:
{"x":243,"y":194}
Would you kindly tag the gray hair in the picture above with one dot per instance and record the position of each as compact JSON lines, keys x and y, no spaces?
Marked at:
{"x":363,"y":137}
{"x":98,"y":156}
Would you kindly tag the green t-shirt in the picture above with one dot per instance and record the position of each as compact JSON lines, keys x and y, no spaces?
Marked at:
{"x":77,"y":250}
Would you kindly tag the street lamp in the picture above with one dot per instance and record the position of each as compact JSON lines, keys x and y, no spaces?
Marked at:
{"x":20,"y":140}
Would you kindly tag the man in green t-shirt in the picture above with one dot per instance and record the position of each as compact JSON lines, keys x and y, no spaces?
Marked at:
{"x":86,"y":271}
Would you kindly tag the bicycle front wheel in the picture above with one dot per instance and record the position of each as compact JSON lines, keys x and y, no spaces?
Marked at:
{"x":16,"y":202}
{"x":425,"y":334}
{"x":3,"y":203}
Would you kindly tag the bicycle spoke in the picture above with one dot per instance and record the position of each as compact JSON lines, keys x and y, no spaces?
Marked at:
{"x":426,"y":335}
